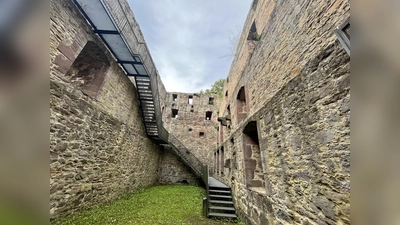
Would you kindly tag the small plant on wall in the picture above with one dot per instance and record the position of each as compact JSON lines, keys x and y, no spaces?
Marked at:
{"x":256,"y":36}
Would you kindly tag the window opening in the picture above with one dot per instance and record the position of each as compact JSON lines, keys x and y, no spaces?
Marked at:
{"x":174,"y":97}
{"x":253,"y":35}
{"x":89,"y":69}
{"x":174,"y":113}
{"x":208,"y":115}
{"x":211,"y":101}
{"x":254,"y":176}
{"x":190,"y":100}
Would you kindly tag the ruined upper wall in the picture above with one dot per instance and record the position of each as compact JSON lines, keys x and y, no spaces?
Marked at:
{"x":291,"y":33}
{"x":191,"y":120}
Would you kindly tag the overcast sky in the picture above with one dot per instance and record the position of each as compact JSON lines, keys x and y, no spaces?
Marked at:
{"x":187,"y":38}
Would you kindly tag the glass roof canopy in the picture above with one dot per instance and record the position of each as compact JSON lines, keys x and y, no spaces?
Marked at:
{"x":103,"y":24}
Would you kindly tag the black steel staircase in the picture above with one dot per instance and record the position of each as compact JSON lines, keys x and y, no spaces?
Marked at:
{"x":119,"y":42}
{"x":219,"y":201}
{"x":219,"y":197}
{"x":150,"y":108}
{"x":188,"y":157}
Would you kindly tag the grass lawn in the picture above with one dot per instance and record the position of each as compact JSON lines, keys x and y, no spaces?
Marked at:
{"x":167,"y":204}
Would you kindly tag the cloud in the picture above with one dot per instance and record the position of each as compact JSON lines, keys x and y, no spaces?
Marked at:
{"x":188,"y":38}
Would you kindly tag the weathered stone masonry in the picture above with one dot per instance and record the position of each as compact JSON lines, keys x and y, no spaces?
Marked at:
{"x":303,"y":172}
{"x":282,"y":145}
{"x":195,"y":122}
{"x":286,"y":145}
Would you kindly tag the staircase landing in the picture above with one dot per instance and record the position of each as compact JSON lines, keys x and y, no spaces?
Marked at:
{"x":212,"y":182}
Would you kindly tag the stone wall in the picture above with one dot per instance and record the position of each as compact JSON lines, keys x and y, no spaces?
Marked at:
{"x":191,"y":125}
{"x":291,"y":34}
{"x":174,"y":171}
{"x":303,"y":137}
{"x":98,"y":146}
{"x":285,"y":148}
{"x":94,"y":157}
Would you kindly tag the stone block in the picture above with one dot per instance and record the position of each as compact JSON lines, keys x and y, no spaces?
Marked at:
{"x":326,"y":206}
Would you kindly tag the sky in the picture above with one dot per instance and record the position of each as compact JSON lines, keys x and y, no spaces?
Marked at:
{"x":188,"y":39}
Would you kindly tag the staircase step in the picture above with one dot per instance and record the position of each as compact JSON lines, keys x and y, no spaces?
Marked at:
{"x":220,"y":196}
{"x":220,"y":191}
{"x":214,"y":187}
{"x":221,"y":202}
{"x":222,"y":215}
{"x":222,"y":208}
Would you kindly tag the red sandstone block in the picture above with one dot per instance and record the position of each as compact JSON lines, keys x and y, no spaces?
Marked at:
{"x":67,"y":51}
{"x":63,"y":63}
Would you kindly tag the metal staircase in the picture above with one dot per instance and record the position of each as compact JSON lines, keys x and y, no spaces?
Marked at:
{"x":114,"y":37}
{"x":148,"y":106}
{"x":188,"y":157}
{"x":219,"y":201}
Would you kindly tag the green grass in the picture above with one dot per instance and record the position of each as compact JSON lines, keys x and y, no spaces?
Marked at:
{"x":167,"y":204}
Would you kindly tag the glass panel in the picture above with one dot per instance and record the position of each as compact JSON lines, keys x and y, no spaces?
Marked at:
{"x":137,"y":59}
{"x":118,"y":46}
{"x":97,"y":14}
{"x":140,"y":69}
{"x":129,"y":69}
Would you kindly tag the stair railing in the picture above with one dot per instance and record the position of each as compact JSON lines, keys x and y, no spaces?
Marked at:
{"x":191,"y":159}
{"x":197,"y":166}
{"x":204,"y":177}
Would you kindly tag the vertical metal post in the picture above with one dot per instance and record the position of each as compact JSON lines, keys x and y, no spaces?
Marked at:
{"x":205,"y":207}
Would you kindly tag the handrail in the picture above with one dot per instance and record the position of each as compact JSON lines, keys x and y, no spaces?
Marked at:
{"x":184,"y":159}
{"x":205,"y":174}
{"x":202,"y":169}
{"x":187,"y":150}
{"x":206,"y":202}
{"x":188,"y":156}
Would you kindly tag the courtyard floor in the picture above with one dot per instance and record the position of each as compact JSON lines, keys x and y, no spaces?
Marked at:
{"x":166,"y":204}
